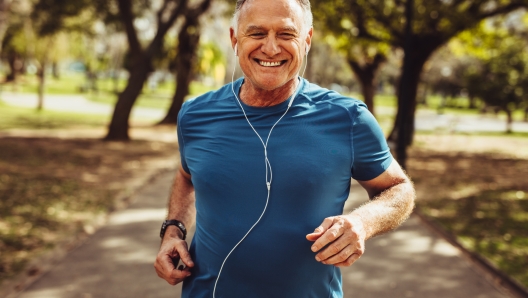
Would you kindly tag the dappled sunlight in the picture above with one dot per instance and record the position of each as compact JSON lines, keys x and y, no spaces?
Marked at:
{"x":137,"y":215}
{"x":413,"y":262}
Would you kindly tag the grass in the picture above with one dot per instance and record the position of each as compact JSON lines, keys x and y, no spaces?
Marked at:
{"x":492,"y":223}
{"x":75,"y":83}
{"x":29,"y":118}
{"x":480,"y":198}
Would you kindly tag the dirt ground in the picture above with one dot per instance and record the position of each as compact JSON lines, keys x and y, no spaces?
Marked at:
{"x":457,"y":166}
{"x":56,"y":190}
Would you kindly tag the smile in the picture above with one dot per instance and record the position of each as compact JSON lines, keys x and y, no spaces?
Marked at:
{"x":270,"y":64}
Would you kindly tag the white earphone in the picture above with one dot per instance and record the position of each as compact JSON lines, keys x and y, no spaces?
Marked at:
{"x":269,"y":173}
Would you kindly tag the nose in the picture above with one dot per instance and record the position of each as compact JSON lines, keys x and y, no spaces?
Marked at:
{"x":270,"y":46}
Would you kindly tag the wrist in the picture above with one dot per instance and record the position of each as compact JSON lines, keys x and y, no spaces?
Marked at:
{"x":174,"y":232}
{"x":173,"y":225}
{"x":358,"y":225}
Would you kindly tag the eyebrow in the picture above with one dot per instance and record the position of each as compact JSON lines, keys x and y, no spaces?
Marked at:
{"x":259,"y":28}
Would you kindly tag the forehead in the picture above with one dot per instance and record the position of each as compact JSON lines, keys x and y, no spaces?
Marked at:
{"x":269,"y":13}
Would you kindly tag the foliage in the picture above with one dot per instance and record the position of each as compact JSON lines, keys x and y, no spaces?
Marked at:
{"x":434,"y":23}
{"x":495,"y":52}
{"x":503,"y":66}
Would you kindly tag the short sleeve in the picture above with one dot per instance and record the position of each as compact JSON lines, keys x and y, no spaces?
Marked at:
{"x":181,"y":139}
{"x":371,"y":154}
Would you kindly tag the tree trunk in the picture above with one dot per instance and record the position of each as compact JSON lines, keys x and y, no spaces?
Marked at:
{"x":118,"y":129}
{"x":13,"y":62}
{"x":41,"y":74}
{"x":56,"y":71}
{"x":472,"y":102}
{"x":366,"y":74}
{"x":188,"y":41}
{"x":368,"y":90}
{"x":4,"y":22}
{"x":420,"y":52}
{"x":509,"y":120}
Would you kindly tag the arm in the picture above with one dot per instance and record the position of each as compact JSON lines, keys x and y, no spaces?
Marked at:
{"x":391,"y":202}
{"x":181,"y":207}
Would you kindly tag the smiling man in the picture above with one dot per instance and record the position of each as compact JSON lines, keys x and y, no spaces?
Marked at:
{"x":266,"y":165}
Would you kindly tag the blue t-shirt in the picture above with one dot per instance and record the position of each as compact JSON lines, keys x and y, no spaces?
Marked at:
{"x":324,"y":140}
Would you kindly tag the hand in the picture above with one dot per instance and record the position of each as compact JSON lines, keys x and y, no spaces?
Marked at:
{"x":171,"y":250}
{"x":339,"y":240}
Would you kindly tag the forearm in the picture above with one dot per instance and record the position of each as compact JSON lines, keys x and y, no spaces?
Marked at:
{"x":182,"y":202}
{"x":387,"y":210}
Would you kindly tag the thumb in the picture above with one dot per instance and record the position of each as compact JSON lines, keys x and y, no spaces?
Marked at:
{"x":316,"y":234}
{"x":319,"y":231}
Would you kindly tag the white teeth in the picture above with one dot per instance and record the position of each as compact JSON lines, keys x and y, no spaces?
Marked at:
{"x":268,"y":64}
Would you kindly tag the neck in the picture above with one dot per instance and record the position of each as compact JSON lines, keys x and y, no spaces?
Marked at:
{"x":256,"y":97}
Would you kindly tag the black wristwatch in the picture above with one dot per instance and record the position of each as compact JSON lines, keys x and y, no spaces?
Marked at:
{"x":173,"y":222}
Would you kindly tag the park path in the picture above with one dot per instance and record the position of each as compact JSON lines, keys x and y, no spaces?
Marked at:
{"x":74,"y":103}
{"x":426,"y":120}
{"x":117,"y":261}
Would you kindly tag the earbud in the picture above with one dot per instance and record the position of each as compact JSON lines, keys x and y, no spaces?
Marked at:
{"x":236,"y":50}
{"x":307,"y":49}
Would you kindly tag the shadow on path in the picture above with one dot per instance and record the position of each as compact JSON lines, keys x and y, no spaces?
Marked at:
{"x":118,"y":260}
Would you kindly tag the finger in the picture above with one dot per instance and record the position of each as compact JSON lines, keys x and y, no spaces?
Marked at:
{"x":186,"y":256}
{"x":331,"y":235}
{"x":349,"y":261}
{"x":341,"y":256}
{"x":334,"y":249}
{"x":178,"y":276}
{"x":327,"y":223}
{"x":174,"y":276}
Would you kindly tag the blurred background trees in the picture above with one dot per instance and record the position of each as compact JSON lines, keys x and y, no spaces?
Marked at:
{"x":358,"y":48}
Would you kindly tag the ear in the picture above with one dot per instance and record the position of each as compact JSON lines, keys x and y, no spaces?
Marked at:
{"x":233,"y":40}
{"x":308,"y":40}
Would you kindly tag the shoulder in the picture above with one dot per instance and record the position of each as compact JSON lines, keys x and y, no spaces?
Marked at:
{"x":320,"y":96}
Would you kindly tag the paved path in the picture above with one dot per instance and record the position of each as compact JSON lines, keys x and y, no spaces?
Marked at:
{"x":426,"y":120}
{"x":75,"y":103}
{"x":117,"y":260}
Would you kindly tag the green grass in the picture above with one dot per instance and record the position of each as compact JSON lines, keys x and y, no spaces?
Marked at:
{"x":75,"y":83}
{"x":492,"y":224}
{"x":29,"y":118}
{"x":160,"y":98}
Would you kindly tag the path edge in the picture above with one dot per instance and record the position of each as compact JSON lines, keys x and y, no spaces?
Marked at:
{"x":42,"y":264}
{"x":497,"y":277}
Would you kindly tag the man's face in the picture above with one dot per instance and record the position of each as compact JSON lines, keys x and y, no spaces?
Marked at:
{"x":271,"y":42}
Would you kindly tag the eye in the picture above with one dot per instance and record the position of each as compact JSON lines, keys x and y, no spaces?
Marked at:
{"x":258,"y":35}
{"x":287,"y":35}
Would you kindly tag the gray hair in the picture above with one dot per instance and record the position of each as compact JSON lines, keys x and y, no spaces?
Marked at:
{"x":305,"y":5}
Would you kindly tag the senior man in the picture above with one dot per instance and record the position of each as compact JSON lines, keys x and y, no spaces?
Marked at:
{"x":266,"y":164}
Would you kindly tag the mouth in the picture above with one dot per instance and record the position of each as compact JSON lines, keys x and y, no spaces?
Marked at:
{"x":270,"y":63}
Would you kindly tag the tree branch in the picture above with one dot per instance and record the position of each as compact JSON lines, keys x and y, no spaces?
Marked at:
{"x":127,"y":17}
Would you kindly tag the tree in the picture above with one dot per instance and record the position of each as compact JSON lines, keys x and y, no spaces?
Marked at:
{"x":4,"y":21}
{"x":502,"y":65}
{"x":188,"y":41}
{"x":141,"y":59}
{"x":364,"y":56}
{"x":434,"y":23}
{"x":50,"y":20}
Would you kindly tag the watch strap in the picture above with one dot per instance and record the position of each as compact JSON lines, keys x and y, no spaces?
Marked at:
{"x":173,"y":222}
